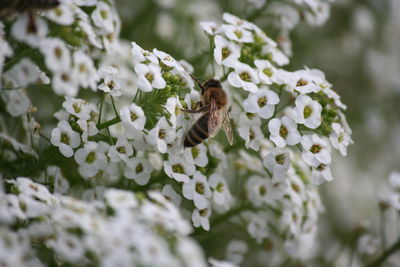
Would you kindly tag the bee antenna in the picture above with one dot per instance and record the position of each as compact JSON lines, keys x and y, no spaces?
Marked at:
{"x":199,"y":82}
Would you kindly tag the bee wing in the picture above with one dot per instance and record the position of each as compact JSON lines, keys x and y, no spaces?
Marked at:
{"x":226,"y":125}
{"x":214,"y":120}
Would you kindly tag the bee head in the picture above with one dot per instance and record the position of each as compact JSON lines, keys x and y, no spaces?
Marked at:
{"x":212,"y":83}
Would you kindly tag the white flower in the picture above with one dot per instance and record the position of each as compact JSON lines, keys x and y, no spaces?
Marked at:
{"x":340,"y":139}
{"x":77,"y":107}
{"x":316,"y":150}
{"x":221,"y":194}
{"x":307,"y":112}
{"x":276,"y":55}
{"x":218,"y":263}
{"x":394,"y":180}
{"x":59,"y":182}
{"x":24,"y":72}
{"x":267,"y":73}
{"x":122,"y":150}
{"x":261,"y":102}
{"x":168,"y":60}
{"x":237,"y":33}
{"x":149,"y":77}
{"x":283,"y":131}
{"x":196,"y":155}
{"x":30,"y":31}
{"x":178,"y":168}
{"x":132,"y":117}
{"x":209,"y":28}
{"x":112,"y":83}
{"x":120,"y":200}
{"x":88,"y":30}
{"x":277,"y":161}
{"x":68,"y":246}
{"x":235,"y":21}
{"x":138,"y":169}
{"x":236,"y":250}
{"x":259,"y":190}
{"x":321,"y":173}
{"x":198,"y":190}
{"x":88,"y":128}
{"x":63,"y":83}
{"x":161,"y":135}
{"x":56,"y":54}
{"x":368,"y":244}
{"x":17,"y":102}
{"x":226,"y":53}
{"x":65,"y":138}
{"x":91,"y":158}
{"x":62,"y":14}
{"x":141,"y":55}
{"x":257,"y":227}
{"x":86,"y":73}
{"x":251,"y":132}
{"x":201,"y":218}
{"x":102,"y":17}
{"x":244,"y":77}
{"x":170,"y":194}
{"x":174,"y":107}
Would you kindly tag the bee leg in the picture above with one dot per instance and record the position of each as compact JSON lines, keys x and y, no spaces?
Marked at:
{"x":202,"y":109}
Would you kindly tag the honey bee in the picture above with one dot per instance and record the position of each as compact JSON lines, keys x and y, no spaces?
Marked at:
{"x":213,"y":105}
{"x":10,"y":7}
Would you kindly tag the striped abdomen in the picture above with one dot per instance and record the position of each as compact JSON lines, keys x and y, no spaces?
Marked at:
{"x":24,"y":5}
{"x":198,"y":133}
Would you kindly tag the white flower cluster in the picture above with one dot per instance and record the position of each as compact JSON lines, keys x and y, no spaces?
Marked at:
{"x":290,"y":120}
{"x":122,"y":230}
{"x":68,"y":58}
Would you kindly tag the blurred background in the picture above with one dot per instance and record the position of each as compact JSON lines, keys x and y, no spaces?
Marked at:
{"x":357,"y":47}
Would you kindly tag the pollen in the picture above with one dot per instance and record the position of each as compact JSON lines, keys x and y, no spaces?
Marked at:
{"x":225,"y":52}
{"x":177,"y":168}
{"x":161,"y":134}
{"x":149,"y":77}
{"x":280,"y":159}
{"x":283,"y":132}
{"x":64,"y":139}
{"x":133,"y":116}
{"x":245,"y":76}
{"x":91,"y":157}
{"x":121,"y":150}
{"x":315,"y":149}
{"x":199,"y":188}
{"x":307,"y":112}
{"x":139,"y":168}
{"x":301,"y":82}
{"x":268,"y":72}
{"x":262,"y":101}
{"x":195,"y":152}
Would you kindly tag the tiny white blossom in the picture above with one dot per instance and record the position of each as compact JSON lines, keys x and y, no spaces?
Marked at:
{"x":141,"y":55}
{"x":178,"y":168}
{"x":91,"y":158}
{"x":209,"y":28}
{"x":201,"y":218}
{"x":63,"y":83}
{"x":24,"y":72}
{"x":17,"y":102}
{"x":267,"y":73}
{"x":261,"y":102}
{"x":161,"y":135}
{"x":132,"y":117}
{"x":62,"y":14}
{"x":56,"y":54}
{"x":235,"y":251}
{"x":257,"y":227}
{"x":226,"y":53}
{"x":77,"y":107}
{"x":138,"y":169}
{"x":168,"y":60}
{"x":112,"y":83}
{"x":307,"y":111}
{"x":340,"y":139}
{"x":198,"y":190}
{"x":170,"y":194}
{"x":277,"y":161}
{"x":122,"y":150}
{"x":30,"y":30}
{"x":316,"y":150}
{"x":321,"y":173}
{"x":244,"y":77}
{"x":102,"y":17}
{"x":368,"y":244}
{"x":237,"y":33}
{"x":197,"y":155}
{"x":284,"y":131}
{"x":65,"y":138}
{"x":86,"y":73}
{"x":149,"y":77}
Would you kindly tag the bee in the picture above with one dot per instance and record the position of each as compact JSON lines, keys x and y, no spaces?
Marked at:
{"x":215,"y":116}
{"x":8,"y":7}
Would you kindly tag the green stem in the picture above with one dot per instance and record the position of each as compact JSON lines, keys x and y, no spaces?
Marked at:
{"x":101,"y":108}
{"x":232,"y":212}
{"x":211,"y":55}
{"x":108,"y":123}
{"x":381,"y":259}
{"x":113,"y":104}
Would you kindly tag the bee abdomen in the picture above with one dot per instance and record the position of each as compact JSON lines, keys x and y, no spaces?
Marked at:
{"x":24,"y":5}
{"x":198,"y":133}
